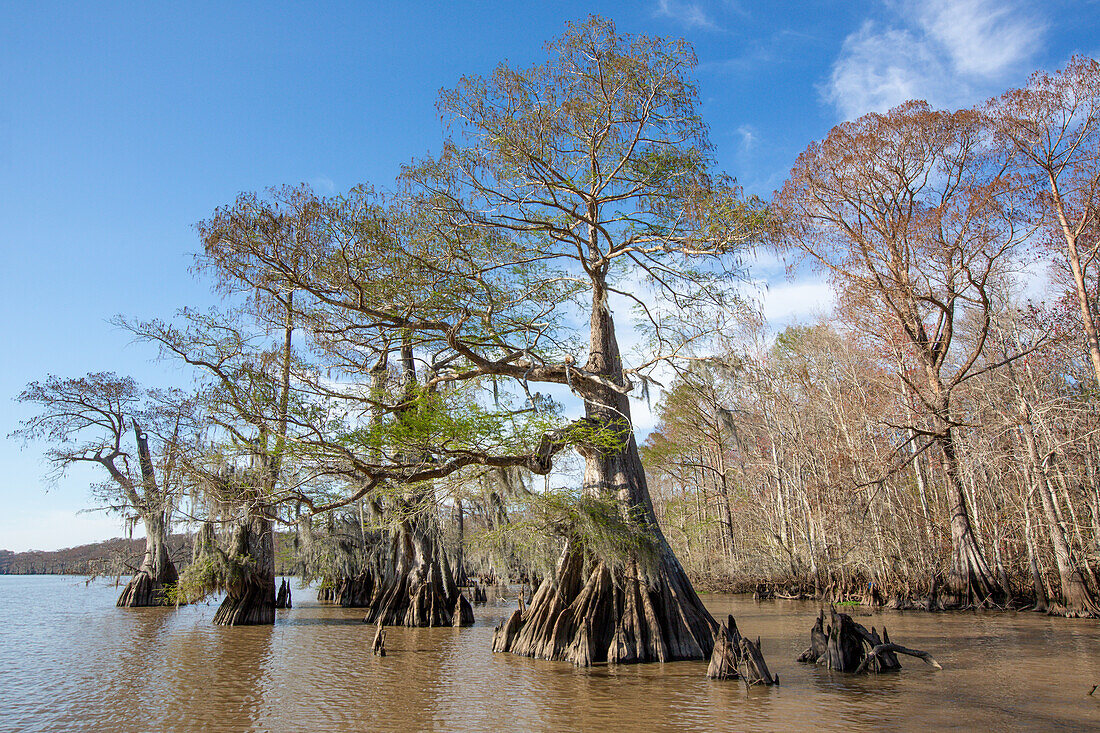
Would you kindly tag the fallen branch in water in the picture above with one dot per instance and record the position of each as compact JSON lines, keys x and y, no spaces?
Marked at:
{"x":897,"y":648}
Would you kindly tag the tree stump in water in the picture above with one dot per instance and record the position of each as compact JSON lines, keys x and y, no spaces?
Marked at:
{"x":463,"y":612}
{"x":841,"y":647}
{"x":735,"y":657}
{"x":818,"y":641}
{"x":378,"y":648}
{"x":282,"y":598}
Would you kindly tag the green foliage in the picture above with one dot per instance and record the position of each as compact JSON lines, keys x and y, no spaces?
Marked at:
{"x":208,"y":574}
{"x":600,"y":526}
{"x":453,"y":422}
{"x":607,"y":438}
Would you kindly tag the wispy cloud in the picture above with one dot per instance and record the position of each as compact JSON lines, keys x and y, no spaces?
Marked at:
{"x":323,"y":184}
{"x":982,"y":38}
{"x":748,"y":136}
{"x":689,"y":14}
{"x":948,"y":52}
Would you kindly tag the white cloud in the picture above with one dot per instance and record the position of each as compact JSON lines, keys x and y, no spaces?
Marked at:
{"x":981,"y":38}
{"x":880,"y":68}
{"x":789,"y":302}
{"x":690,"y":14}
{"x":323,"y":184}
{"x":748,"y":136}
{"x":948,"y":52}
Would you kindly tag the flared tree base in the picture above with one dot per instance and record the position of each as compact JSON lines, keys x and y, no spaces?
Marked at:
{"x":590,"y":614}
{"x":143,"y":591}
{"x":970,"y":583}
{"x":418,"y":598}
{"x":254,"y":606}
{"x":1078,"y":600}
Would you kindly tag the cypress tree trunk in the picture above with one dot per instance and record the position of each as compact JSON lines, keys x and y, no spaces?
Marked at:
{"x":250,"y":592}
{"x":414,"y":584}
{"x":589,"y":613}
{"x":149,"y":585}
{"x":970,"y":582}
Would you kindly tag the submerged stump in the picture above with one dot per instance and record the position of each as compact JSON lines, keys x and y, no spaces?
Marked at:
{"x":283,"y":598}
{"x":735,"y":657}
{"x":378,"y":646}
{"x":847,"y":646}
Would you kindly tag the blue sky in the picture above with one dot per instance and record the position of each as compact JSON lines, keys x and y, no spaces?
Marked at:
{"x":121,"y":125}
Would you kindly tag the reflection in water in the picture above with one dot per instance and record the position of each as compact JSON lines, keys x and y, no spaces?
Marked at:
{"x":72,"y":661}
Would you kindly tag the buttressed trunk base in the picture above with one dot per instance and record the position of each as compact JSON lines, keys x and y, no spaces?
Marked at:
{"x":413,"y":586}
{"x":149,"y":586}
{"x":250,"y":597}
{"x":591,"y":613}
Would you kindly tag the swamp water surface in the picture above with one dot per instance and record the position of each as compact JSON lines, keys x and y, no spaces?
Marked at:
{"x":71,"y":661}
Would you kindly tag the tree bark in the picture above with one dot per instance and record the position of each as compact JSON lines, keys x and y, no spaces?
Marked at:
{"x":840,"y":647}
{"x":589,"y":612}
{"x":250,"y":592}
{"x":970,"y":581}
{"x":413,"y":584}
{"x":149,"y":586}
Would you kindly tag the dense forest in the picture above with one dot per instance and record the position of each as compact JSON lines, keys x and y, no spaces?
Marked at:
{"x":427,"y":387}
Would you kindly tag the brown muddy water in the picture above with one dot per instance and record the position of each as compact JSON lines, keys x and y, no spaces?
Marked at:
{"x":71,"y":661}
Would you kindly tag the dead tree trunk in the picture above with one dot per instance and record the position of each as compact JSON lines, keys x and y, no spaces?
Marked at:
{"x":735,"y":657}
{"x":283,"y":597}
